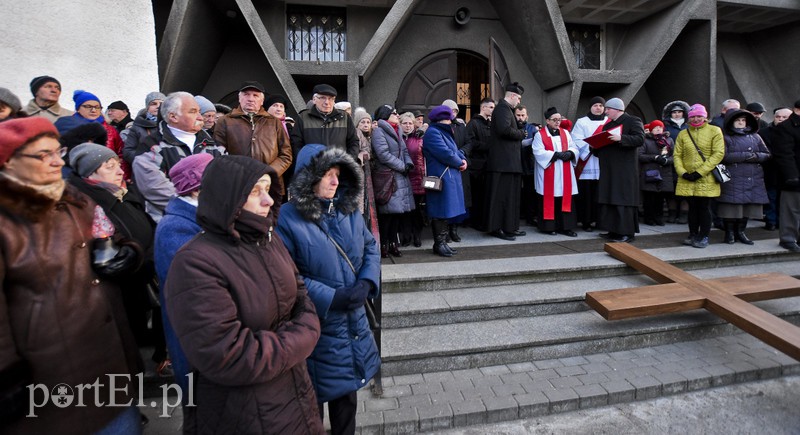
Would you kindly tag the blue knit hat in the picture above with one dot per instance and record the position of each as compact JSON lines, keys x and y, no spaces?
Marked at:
{"x":80,"y":97}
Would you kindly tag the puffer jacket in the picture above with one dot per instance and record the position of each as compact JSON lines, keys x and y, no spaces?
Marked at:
{"x":140,"y":137}
{"x":744,"y":153}
{"x":242,"y":314}
{"x":686,"y":159}
{"x":414,"y":145}
{"x":61,"y":323}
{"x":261,"y":137}
{"x":647,"y":155}
{"x":346,"y":357}
{"x":671,"y":126}
{"x":388,"y":151}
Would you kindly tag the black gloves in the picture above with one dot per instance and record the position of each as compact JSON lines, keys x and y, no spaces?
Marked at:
{"x":409,"y":167}
{"x":661,"y":160}
{"x":126,"y":260}
{"x":350,"y":298}
{"x":562,"y":155}
{"x":691,"y":176}
{"x":792,"y":182}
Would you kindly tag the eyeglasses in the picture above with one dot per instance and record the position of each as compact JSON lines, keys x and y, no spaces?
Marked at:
{"x":394,"y":113}
{"x":88,"y":107}
{"x":47,"y":156}
{"x":555,"y":119}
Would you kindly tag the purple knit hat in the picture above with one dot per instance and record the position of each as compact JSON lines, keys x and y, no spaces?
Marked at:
{"x":187,"y":173}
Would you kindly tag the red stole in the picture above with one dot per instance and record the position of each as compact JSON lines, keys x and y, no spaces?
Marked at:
{"x":550,"y":177}
{"x":582,"y":163}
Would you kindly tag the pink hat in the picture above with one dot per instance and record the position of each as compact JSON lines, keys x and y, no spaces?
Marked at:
{"x":697,"y":110}
{"x":187,"y":173}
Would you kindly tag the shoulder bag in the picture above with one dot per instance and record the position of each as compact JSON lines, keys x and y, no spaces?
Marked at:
{"x":720,"y":172}
{"x":432,"y":182}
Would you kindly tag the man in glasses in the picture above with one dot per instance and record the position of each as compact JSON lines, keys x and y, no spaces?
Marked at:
{"x":323,"y":123}
{"x":46,"y":91}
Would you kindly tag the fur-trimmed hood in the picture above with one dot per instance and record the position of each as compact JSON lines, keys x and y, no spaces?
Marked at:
{"x":666,"y":113}
{"x":28,"y":204}
{"x":313,"y":161}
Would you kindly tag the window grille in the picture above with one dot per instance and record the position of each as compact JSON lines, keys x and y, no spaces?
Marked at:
{"x":316,"y":34}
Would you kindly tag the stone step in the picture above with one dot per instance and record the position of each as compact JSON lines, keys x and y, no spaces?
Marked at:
{"x":468,"y":345}
{"x":408,"y":309}
{"x":567,"y":264}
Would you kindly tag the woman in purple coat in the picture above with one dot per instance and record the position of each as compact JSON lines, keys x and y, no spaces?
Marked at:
{"x":742,"y":198}
{"x":443,"y":159}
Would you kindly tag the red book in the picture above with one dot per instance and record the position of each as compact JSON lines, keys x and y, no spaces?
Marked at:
{"x":602,"y":139}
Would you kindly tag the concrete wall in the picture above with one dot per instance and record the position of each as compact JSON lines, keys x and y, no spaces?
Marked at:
{"x":85,"y":44}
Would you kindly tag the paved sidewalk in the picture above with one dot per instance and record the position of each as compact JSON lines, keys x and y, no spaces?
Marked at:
{"x":453,"y":399}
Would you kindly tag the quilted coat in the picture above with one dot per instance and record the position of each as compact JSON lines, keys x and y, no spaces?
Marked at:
{"x":686,"y":159}
{"x":346,"y":356}
{"x":389,"y":151}
{"x":745,"y":151}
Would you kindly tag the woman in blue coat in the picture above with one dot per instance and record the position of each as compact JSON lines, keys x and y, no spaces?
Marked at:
{"x":443,"y":159}
{"x":744,"y":195}
{"x":340,"y":263}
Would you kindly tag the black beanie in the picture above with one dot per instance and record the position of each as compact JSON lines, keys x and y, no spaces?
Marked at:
{"x":596,"y":100}
{"x":383,"y":112}
{"x":40,"y":81}
{"x":550,"y":112}
{"x":275,"y":98}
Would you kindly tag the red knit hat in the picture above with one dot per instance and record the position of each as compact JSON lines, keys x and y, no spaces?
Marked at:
{"x":15,"y":133}
{"x":566,"y":124}
{"x":655,"y":124}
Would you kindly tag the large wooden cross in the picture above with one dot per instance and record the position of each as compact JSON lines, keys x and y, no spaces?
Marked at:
{"x":679,"y":291}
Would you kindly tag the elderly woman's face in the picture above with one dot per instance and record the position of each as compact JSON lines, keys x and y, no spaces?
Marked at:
{"x":740,"y":122}
{"x":365,"y":125}
{"x":326,"y":188}
{"x":277,"y":110}
{"x":5,"y":111}
{"x":90,"y":109}
{"x":109,"y":172}
{"x":38,"y":163}
{"x":407,"y":124}
{"x":259,"y":201}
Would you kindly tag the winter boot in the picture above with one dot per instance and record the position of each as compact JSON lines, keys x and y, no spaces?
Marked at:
{"x":439,"y":230}
{"x":683,"y":217}
{"x":394,"y":250}
{"x":452,"y":231}
{"x":729,"y":233}
{"x":740,"y":235}
{"x":384,"y":250}
{"x":673,"y":215}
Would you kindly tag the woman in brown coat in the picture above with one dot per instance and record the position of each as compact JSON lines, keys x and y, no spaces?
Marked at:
{"x":241,"y":311}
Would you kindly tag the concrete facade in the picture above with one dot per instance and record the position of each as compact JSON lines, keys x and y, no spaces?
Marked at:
{"x":652,"y":51}
{"x":101,"y":46}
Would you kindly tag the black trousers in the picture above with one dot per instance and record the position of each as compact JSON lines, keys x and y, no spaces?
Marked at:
{"x":343,"y":414}
{"x":699,"y":215}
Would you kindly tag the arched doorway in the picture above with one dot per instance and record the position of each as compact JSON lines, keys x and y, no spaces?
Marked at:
{"x":449,"y":74}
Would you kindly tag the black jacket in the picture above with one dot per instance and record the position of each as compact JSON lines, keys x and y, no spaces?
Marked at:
{"x":506,"y":141}
{"x":786,"y":150}
{"x":335,"y":130}
{"x":478,"y":135}
{"x":619,"y":166}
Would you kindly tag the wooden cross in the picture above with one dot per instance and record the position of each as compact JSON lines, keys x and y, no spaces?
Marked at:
{"x":679,"y":291}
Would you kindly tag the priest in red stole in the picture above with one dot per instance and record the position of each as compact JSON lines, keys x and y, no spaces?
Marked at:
{"x":556,"y":156}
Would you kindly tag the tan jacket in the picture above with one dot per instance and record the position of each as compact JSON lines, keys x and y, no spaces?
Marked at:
{"x":52,"y":113}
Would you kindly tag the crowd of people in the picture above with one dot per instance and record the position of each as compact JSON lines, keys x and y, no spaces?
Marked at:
{"x":244,"y":246}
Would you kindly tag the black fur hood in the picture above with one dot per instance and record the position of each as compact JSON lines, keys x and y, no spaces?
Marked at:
{"x":313,"y":161}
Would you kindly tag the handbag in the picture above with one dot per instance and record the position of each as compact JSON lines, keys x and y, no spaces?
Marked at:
{"x":652,"y":176}
{"x":383,"y":185}
{"x":720,"y":172}
{"x":432,"y":182}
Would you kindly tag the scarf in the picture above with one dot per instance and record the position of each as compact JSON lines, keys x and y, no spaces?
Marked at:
{"x":118,"y":191}
{"x":679,"y":122}
{"x":594,"y":117}
{"x":53,"y":191}
{"x":150,"y":117}
{"x":550,"y":177}
{"x":253,"y":228}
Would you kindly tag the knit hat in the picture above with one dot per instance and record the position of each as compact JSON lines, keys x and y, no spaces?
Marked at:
{"x":9,"y":99}
{"x":155,"y":95}
{"x":15,"y":133}
{"x":655,"y":124}
{"x":40,"y":81}
{"x":596,"y":100}
{"x":205,"y":105}
{"x":360,"y":114}
{"x":566,"y":124}
{"x":615,"y":103}
{"x":451,"y":104}
{"x":439,"y":113}
{"x":188,"y":172}
{"x":275,"y":98}
{"x":87,"y":157}
{"x":515,"y":88}
{"x":342,"y":105}
{"x":697,"y":110}
{"x":797,"y":104}
{"x":119,"y":105}
{"x":550,"y":112}
{"x":80,"y":97}
{"x":383,"y":112}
